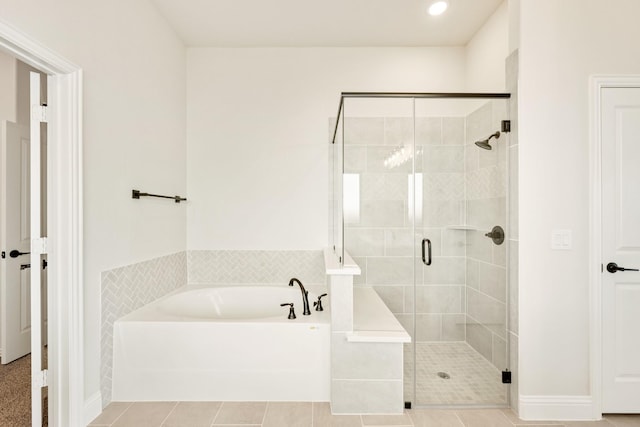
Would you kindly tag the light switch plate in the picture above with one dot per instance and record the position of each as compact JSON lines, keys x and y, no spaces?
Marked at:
{"x":561,"y":240}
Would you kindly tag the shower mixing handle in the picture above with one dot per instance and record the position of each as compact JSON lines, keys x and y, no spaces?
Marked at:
{"x":496,"y":234}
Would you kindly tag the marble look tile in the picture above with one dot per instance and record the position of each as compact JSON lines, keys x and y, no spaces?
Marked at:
{"x":403,"y":241}
{"x":428,"y":130}
{"x":290,"y":414}
{"x":241,"y":413}
{"x":478,"y":123}
{"x":499,"y":353}
{"x":381,"y":213}
{"x":354,"y":397}
{"x":192,"y":414}
{"x":364,"y":130}
{"x":393,"y":297}
{"x":376,"y":156}
{"x":487,"y":311}
{"x":453,"y":130}
{"x":442,"y":213}
{"x":387,"y":420}
{"x":353,"y":361}
{"x":480,"y":338}
{"x":145,"y":414}
{"x":473,"y":271}
{"x":364,"y":241}
{"x":398,"y":130}
{"x":355,"y":159}
{"x":438,"y":299}
{"x":390,"y":270}
{"x":454,"y":242}
{"x":621,"y":420}
{"x":434,"y":418}
{"x":454,"y":327}
{"x":493,"y":281}
{"x":110,"y":413}
{"x":322,"y":417}
{"x":444,"y":159}
{"x":445,"y":271}
{"x":484,"y":418}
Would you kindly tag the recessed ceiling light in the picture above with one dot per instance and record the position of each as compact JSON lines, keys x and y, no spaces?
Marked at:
{"x":438,"y":7}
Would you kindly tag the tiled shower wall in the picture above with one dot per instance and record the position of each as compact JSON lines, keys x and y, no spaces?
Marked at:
{"x":380,"y":237}
{"x":486,"y":182}
{"x":128,"y":288}
{"x":125,"y":289}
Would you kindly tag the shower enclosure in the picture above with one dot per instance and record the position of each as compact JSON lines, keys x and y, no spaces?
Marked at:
{"x":419,"y":200}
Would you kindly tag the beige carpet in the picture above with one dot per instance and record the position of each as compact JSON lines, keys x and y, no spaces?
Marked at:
{"x":15,"y":394}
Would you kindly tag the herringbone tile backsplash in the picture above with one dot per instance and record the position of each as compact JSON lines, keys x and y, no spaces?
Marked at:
{"x":125,"y":289}
{"x":128,"y":288}
{"x":256,"y":267}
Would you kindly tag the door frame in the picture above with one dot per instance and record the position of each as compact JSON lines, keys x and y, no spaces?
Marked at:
{"x":65,"y":223}
{"x":596,"y":84}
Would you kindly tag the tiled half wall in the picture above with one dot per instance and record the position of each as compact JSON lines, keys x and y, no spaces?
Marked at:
{"x":125,"y":289}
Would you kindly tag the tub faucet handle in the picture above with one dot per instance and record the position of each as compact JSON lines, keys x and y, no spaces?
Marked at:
{"x":292,"y":314}
{"x":318,"y":304}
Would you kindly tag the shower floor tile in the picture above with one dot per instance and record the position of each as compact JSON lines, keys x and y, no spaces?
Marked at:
{"x":472,"y":379}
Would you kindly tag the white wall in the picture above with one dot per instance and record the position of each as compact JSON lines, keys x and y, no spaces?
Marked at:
{"x":258,"y":134}
{"x":134,"y":133}
{"x":7,"y":87}
{"x":486,"y":53}
{"x":561,"y":44}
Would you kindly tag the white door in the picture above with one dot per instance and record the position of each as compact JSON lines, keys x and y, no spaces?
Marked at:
{"x":15,"y":234}
{"x":38,"y":248}
{"x":620,"y":122}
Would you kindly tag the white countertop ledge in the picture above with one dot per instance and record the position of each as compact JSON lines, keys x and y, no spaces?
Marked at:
{"x":373,"y":321}
{"x":333,"y":267}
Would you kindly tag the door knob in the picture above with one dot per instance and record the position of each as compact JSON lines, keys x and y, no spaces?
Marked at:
{"x":16,"y":253}
{"x":612,"y":267}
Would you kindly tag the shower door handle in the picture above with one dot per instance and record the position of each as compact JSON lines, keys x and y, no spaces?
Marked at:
{"x":426,"y":259}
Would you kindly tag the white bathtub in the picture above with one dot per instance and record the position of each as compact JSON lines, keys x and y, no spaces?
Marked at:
{"x":223,"y":343}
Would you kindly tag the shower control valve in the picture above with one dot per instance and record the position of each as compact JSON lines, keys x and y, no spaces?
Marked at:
{"x":496,"y":234}
{"x":292,"y":314}
{"x":318,"y":304}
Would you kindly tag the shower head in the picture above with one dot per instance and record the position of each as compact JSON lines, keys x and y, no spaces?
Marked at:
{"x":484,"y":144}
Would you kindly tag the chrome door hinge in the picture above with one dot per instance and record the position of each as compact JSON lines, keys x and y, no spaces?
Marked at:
{"x":39,"y":245}
{"x":42,"y":380}
{"x":39,"y":113}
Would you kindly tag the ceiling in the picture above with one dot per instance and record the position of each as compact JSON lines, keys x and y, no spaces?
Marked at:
{"x":327,"y":23}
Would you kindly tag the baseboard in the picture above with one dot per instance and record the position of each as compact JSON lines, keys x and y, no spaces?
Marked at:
{"x":558,"y":408}
{"x":92,"y":407}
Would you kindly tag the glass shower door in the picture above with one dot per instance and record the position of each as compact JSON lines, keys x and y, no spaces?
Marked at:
{"x":418,"y":197}
{"x":460,"y":282}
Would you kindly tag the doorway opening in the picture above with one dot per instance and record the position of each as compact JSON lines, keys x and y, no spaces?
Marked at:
{"x":63,"y":243}
{"x":15,"y":233}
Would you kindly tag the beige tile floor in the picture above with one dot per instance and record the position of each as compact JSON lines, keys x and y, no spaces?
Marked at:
{"x":307,"y":414}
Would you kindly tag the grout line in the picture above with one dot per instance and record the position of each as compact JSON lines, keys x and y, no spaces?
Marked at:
{"x":175,"y":405}
{"x":213,"y":420}
{"x":264,"y":416}
{"x":458,"y":417}
{"x":119,"y":416}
